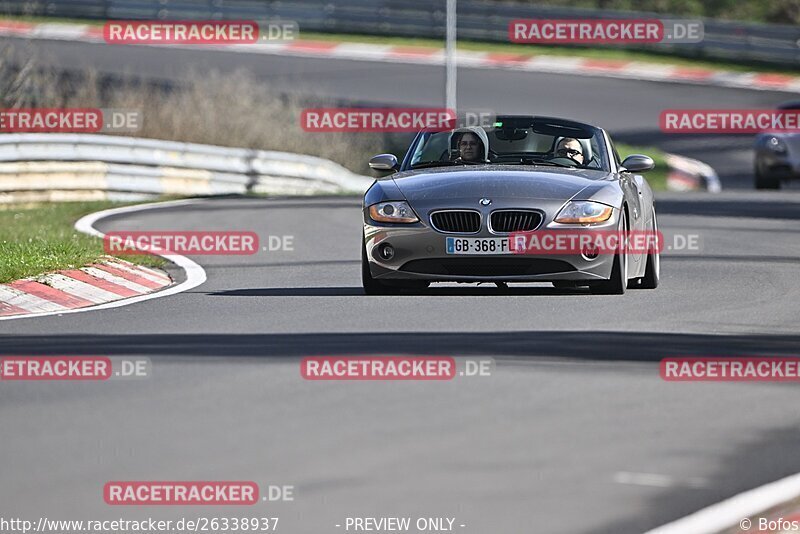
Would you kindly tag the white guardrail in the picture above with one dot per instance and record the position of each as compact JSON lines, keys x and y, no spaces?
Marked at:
{"x":59,"y":167}
{"x":39,"y":167}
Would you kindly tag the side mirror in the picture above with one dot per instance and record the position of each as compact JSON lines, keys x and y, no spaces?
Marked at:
{"x":638,"y":163}
{"x":384,"y":162}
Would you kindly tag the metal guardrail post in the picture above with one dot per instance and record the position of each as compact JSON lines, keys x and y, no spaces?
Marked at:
{"x":252,"y":174}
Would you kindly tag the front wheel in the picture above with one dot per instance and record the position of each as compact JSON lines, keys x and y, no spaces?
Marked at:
{"x":765,"y":181}
{"x":618,"y":281}
{"x":652,"y":270}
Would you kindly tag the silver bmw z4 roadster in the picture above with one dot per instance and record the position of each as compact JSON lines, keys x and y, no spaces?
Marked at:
{"x":510,"y":203}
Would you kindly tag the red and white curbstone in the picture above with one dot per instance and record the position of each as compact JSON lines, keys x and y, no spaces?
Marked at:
{"x":106,"y":281}
{"x":572,"y":65}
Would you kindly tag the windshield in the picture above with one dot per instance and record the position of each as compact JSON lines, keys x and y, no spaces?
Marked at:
{"x":518,"y":142}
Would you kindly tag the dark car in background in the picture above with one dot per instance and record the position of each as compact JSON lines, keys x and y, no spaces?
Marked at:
{"x":777,"y":157}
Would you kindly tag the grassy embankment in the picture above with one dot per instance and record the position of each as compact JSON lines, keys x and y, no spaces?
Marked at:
{"x":38,"y":239}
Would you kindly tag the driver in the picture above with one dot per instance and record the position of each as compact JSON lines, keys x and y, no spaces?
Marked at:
{"x":472,"y":145}
{"x":571,"y":148}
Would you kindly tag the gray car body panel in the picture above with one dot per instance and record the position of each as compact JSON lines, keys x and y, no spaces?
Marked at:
{"x":541,"y":188}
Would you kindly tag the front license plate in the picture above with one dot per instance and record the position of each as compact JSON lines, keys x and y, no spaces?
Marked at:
{"x":478,"y":245}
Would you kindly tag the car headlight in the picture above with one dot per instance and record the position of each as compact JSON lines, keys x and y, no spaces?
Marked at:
{"x":584,"y":212}
{"x":776,"y":145}
{"x":392,"y":212}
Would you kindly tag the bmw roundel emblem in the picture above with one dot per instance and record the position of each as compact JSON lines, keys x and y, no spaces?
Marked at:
{"x":486,"y":201}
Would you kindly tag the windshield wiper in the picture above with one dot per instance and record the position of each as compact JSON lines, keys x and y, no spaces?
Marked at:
{"x":424,"y":164}
{"x":534,"y":161}
{"x":539,"y":161}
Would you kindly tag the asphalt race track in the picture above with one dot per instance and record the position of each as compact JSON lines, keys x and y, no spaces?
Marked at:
{"x":628,"y":109}
{"x":543,"y":445}
{"x":574,"y":432}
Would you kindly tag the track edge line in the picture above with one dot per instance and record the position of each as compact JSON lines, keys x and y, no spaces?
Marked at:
{"x":731,"y":511}
{"x":195,"y":274}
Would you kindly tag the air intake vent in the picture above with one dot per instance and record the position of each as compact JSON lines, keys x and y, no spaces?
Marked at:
{"x":456,"y":221}
{"x":506,"y":221}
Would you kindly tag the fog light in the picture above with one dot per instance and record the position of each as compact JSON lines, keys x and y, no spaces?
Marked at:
{"x":590,"y":253}
{"x":386,"y":251}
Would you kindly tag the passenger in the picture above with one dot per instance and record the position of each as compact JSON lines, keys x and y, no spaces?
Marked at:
{"x":571,"y":148}
{"x":472,"y":146}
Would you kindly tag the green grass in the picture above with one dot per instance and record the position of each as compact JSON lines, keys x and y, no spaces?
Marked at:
{"x":657,"y":178}
{"x":40,"y":239}
{"x":606,"y":53}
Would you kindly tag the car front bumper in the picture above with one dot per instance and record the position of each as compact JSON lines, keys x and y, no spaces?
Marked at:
{"x":420,"y":254}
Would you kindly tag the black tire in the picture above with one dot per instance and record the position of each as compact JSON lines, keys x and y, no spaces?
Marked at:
{"x":652,"y":271}
{"x":370,"y":285}
{"x":618,"y":282}
{"x":765,"y":181}
{"x":379,"y":287}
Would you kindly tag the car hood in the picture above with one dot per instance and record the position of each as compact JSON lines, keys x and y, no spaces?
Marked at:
{"x":495,"y":182}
